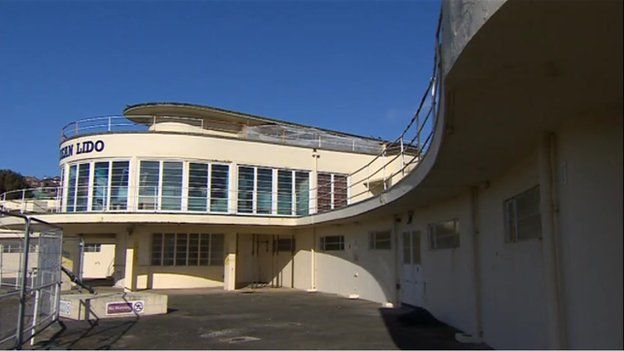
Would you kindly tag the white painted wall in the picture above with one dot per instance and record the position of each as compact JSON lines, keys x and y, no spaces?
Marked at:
{"x":590,"y":196}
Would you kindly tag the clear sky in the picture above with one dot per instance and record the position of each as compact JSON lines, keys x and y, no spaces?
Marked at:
{"x":354,"y":66}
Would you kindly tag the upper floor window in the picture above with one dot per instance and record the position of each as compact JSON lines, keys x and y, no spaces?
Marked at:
{"x":269,"y":191}
{"x":331,"y":191}
{"x":444,"y":235}
{"x":107,"y":191}
{"x":523,"y":220}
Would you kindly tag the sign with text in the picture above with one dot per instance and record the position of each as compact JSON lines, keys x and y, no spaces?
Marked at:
{"x":125,"y":307}
{"x":81,"y":147}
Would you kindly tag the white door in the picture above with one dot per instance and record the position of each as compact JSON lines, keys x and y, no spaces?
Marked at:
{"x":412,"y":284}
{"x":98,"y":260}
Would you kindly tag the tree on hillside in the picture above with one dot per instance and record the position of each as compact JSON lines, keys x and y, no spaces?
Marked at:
{"x":10,"y":180}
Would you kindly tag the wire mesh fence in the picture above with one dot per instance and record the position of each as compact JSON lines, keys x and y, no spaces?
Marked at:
{"x":30,"y":277}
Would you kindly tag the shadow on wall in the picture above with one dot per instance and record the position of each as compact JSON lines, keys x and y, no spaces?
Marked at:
{"x":416,"y":328}
{"x":172,"y":277}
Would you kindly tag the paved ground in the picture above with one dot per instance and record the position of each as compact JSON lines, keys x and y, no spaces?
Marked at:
{"x":264,"y":319}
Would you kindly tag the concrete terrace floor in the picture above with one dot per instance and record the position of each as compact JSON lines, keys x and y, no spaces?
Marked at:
{"x":262,"y":319}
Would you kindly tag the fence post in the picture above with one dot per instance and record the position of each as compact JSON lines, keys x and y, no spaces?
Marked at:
{"x":22,"y":293}
{"x":109,"y":122}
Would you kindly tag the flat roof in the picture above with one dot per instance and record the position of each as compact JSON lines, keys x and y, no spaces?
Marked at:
{"x":178,"y":109}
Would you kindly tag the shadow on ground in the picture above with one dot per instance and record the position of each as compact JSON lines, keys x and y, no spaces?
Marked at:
{"x":416,"y":328}
{"x":265,"y":319}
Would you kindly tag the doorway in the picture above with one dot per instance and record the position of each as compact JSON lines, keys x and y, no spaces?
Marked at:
{"x":412,"y":282}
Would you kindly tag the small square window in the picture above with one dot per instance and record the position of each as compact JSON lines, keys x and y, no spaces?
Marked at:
{"x":444,"y":235}
{"x":523,"y":220}
{"x":380,"y":240}
{"x":92,"y":247}
{"x":332,"y":243}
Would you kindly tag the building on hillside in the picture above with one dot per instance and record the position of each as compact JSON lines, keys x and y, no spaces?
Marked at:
{"x":499,"y":210}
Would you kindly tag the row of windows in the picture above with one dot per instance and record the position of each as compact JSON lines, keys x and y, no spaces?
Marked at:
{"x":266,"y":190}
{"x":182,"y":249}
{"x":16,"y":246}
{"x":522,"y":222}
{"x":103,"y":186}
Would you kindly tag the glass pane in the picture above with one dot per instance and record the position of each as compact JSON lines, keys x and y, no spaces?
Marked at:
{"x":100,"y":186}
{"x":219,"y":188}
{"x":284,"y":192}
{"x":264,"y":196}
{"x":198,"y":187}
{"x":181,"y":249}
{"x":216,"y":249}
{"x":340,"y":191}
{"x":193,"y":251}
{"x":119,"y":185}
{"x":71,"y":189}
{"x":302,"y":193}
{"x":204,"y":249}
{"x":157,"y":249}
{"x":416,"y":247}
{"x":407,"y":248}
{"x":172,"y":186}
{"x":82,"y":189}
{"x":168,"y":250}
{"x":149,"y":177}
{"x":323,"y":192}
{"x":245,"y":189}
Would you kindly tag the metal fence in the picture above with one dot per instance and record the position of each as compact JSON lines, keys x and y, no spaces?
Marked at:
{"x":30,"y":277}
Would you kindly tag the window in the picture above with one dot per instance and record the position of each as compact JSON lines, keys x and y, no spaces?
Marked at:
{"x":182,"y":249}
{"x":264,"y":196}
{"x":171,"y":198}
{"x":198,"y":187}
{"x":246,"y":177}
{"x":78,"y":187}
{"x":332,"y":243}
{"x":411,"y":247}
{"x":444,"y":235}
{"x":149,"y":179}
{"x":285,"y":245}
{"x":284,"y":192}
{"x":302,"y":193}
{"x":219,"y":180}
{"x":522,"y":216}
{"x":331,"y":191}
{"x":92,"y":248}
{"x":119,"y":185}
{"x":15,"y":246}
{"x":100,"y":186}
{"x":380,"y":240}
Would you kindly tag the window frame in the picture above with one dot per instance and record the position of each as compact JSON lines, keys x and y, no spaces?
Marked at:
{"x":339,"y":242}
{"x":374,"y":241}
{"x":434,"y":235}
{"x":206,"y":255}
{"x":513,"y":220}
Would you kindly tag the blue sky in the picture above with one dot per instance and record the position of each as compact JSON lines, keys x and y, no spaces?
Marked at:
{"x":354,"y":66}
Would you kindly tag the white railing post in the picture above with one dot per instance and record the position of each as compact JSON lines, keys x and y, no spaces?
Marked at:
{"x":23,"y":200}
{"x":402,"y":157}
{"x":110,"y":122}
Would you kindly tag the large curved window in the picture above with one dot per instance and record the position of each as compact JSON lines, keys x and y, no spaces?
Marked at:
{"x":97,"y":186}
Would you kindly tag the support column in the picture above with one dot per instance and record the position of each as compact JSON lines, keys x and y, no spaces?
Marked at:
{"x":132,"y":246}
{"x":550,"y":252}
{"x":313,"y":262}
{"x":229,"y":266}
